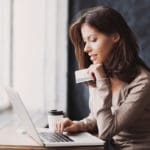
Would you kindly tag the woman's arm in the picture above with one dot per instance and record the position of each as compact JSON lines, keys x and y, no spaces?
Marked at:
{"x":87,"y":124}
{"x":90,"y":123}
{"x":110,"y":124}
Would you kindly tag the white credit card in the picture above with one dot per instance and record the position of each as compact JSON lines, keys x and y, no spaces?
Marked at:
{"x":82,"y":76}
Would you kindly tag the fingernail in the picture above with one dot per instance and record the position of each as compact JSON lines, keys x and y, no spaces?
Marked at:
{"x":65,"y":129}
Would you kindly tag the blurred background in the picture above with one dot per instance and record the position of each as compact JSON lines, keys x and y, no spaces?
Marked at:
{"x":37,"y":58}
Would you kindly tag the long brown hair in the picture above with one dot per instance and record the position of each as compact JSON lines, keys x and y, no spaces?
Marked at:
{"x":123,"y":60}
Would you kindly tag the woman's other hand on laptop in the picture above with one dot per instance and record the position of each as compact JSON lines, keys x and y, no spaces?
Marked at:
{"x":67,"y":125}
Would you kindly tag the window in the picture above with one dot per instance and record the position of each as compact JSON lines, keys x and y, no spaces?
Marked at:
{"x":38,"y":52}
{"x":5,"y":50}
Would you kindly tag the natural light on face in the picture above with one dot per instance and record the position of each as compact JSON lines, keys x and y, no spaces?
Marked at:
{"x":97,"y":44}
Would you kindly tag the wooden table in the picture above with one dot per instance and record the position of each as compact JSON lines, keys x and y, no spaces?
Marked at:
{"x":10,"y":139}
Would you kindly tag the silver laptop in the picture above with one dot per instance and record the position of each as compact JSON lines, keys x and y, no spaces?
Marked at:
{"x":43,"y":136}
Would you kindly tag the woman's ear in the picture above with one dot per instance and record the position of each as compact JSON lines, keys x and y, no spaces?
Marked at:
{"x":115,"y":37}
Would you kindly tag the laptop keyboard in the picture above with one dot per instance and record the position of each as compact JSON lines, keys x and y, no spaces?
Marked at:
{"x":55,"y":137}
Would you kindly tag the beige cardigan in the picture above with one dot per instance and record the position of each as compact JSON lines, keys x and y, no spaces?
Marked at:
{"x":125,"y":116}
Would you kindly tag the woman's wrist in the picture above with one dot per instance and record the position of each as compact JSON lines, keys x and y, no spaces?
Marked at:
{"x":80,"y":124}
{"x":103,"y":83}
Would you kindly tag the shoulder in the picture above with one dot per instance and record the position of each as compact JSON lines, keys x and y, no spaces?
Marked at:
{"x":143,"y":78}
{"x":141,"y":83}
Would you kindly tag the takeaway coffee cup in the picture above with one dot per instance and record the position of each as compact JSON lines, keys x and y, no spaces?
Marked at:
{"x":54,"y":116}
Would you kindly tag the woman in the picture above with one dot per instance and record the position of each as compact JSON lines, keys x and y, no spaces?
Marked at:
{"x":120,"y":91}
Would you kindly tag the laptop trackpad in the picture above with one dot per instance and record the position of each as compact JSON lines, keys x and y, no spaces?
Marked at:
{"x":85,"y":137}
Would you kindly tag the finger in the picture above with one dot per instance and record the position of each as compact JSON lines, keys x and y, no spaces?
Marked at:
{"x":88,"y":72}
{"x":68,"y":129}
{"x":91,"y":70}
{"x":95,"y":66}
{"x":71,"y":128}
{"x":67,"y":122}
{"x":97,"y":70}
{"x":63,"y":123}
{"x":92,"y":76}
{"x":98,"y":65}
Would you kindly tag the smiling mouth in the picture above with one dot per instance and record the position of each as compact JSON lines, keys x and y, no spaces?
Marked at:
{"x":93,"y":57}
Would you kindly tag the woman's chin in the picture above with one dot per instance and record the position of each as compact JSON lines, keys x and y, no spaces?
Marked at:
{"x":93,"y":62}
{"x":97,"y":62}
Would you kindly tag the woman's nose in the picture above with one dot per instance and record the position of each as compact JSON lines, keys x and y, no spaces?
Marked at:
{"x":87,"y":48}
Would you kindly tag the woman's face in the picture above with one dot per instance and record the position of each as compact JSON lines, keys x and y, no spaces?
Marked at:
{"x":97,"y":44}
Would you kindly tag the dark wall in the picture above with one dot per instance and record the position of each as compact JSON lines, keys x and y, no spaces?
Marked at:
{"x":136,"y":13}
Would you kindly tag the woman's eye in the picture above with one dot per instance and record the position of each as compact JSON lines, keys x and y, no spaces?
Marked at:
{"x":93,"y":40}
